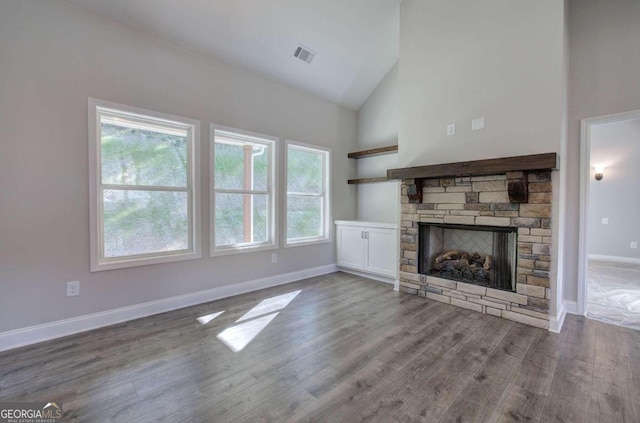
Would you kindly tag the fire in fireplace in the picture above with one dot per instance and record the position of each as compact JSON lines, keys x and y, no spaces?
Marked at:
{"x":481,"y":255}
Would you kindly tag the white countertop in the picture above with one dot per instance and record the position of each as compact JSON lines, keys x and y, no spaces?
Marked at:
{"x":388,"y":225}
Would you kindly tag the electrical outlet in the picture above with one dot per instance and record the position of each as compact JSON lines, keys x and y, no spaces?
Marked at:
{"x":634,"y":244}
{"x":451,"y":129}
{"x":274,"y":257}
{"x":73,"y":288}
{"x":477,"y":124}
{"x":605,"y":221}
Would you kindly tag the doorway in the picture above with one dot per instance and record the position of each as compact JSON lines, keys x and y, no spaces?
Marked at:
{"x":609,"y":288}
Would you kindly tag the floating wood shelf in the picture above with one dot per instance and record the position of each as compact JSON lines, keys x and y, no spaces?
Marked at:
{"x":367,"y":180}
{"x":391,"y":149}
{"x":548,"y":161}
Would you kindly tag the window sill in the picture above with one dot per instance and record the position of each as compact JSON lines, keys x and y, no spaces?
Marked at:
{"x":241,"y":250}
{"x":143,"y":261}
{"x":304,"y":242}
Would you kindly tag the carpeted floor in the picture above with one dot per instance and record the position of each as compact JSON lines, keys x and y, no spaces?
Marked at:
{"x":613,"y":293}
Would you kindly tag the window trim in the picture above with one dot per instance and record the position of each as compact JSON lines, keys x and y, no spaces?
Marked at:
{"x":97,"y":260}
{"x":271,"y":192}
{"x":326,"y":237}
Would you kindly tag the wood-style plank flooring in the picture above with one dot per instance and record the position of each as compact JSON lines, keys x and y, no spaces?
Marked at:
{"x":346,"y":349}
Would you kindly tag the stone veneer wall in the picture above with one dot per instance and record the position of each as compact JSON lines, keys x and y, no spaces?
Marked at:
{"x":484,"y":200}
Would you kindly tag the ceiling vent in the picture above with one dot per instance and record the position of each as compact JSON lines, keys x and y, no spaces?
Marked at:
{"x":303,"y":53}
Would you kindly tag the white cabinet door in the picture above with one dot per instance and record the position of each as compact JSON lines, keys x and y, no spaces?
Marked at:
{"x":382,"y":254}
{"x":351,"y":247}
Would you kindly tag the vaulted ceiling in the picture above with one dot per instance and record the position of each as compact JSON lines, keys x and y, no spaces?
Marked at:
{"x":355,"y":41}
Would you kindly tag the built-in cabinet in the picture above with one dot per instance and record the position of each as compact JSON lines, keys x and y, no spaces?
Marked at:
{"x":368,"y":247}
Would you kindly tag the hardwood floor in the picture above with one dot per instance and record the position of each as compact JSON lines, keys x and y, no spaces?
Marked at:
{"x":345,"y":349}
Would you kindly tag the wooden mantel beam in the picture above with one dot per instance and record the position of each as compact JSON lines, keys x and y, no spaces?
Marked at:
{"x":547,"y":161}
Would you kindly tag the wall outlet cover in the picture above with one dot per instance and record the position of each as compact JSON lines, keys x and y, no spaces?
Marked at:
{"x":605,"y":221}
{"x":73,"y":288}
{"x":477,"y":124}
{"x":634,"y":244}
{"x":451,"y":129}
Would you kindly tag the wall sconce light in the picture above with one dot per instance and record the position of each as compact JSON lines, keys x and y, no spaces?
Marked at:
{"x":599,"y":172}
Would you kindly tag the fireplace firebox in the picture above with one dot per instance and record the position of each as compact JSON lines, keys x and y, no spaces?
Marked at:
{"x":480,"y":255}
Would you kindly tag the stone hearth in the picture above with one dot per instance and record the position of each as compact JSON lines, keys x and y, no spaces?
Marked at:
{"x":484,"y":201}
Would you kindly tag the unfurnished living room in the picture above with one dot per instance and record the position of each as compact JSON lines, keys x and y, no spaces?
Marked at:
{"x":319,"y":211}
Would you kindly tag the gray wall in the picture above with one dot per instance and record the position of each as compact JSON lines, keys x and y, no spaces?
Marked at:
{"x":617,"y":196}
{"x":497,"y":59}
{"x":378,"y":127}
{"x":604,"y":65}
{"x":53,"y":56}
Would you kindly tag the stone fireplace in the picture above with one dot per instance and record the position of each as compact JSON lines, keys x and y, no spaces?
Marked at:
{"x":480,"y":242}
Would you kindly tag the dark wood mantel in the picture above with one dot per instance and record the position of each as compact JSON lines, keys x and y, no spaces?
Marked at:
{"x":547,"y":161}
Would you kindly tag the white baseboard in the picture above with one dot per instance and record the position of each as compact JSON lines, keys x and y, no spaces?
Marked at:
{"x":556,"y":322}
{"x":571,"y":307}
{"x":369,"y":275}
{"x":615,"y":259}
{"x":47,"y":331}
{"x":568,"y":307}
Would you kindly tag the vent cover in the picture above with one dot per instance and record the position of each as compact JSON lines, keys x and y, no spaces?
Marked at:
{"x":303,"y":53}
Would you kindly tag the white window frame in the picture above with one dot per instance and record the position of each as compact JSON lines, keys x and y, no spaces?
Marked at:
{"x":97,"y":260}
{"x":272,"y":194}
{"x":326,"y":195}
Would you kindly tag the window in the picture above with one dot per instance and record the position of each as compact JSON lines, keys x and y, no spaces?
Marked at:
{"x":308,"y":219}
{"x":243,"y":191}
{"x":144,"y":187}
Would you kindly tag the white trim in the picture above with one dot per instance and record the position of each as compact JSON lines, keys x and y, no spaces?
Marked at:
{"x":571,"y":307}
{"x":158,"y":258}
{"x":615,"y":259}
{"x":585,"y":170}
{"x":192,"y":127}
{"x":253,"y":248}
{"x":272,"y":192}
{"x":304,"y":242}
{"x":556,"y":322}
{"x":378,"y":278}
{"x":326,"y":195}
{"x":585,"y":175}
{"x":47,"y":331}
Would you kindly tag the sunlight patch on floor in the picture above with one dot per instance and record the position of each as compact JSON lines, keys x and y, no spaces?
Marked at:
{"x":239,"y":336}
{"x":255,"y":320}
{"x":269,"y":305}
{"x":209,"y":317}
